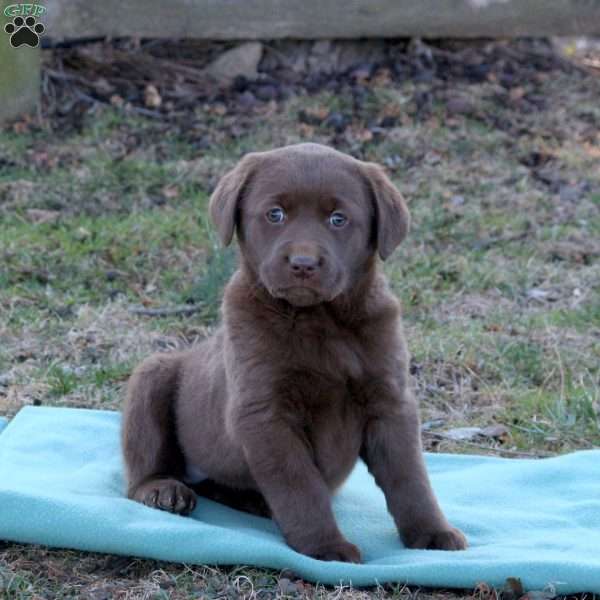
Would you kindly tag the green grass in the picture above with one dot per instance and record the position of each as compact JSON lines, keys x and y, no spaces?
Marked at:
{"x":61,"y":382}
{"x":91,"y":260}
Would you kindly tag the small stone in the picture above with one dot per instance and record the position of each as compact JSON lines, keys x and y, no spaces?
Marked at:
{"x":243,"y":60}
{"x":103,"y":87}
{"x":498,"y":432}
{"x":266,"y":93}
{"x":286,"y":92}
{"x":537,"y":294}
{"x":459,"y":105}
{"x":247,"y":99}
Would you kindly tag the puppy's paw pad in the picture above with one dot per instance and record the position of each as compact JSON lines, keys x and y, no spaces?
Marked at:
{"x":445,"y":539}
{"x":340,"y":551}
{"x":453,"y":539}
{"x":167,"y":494}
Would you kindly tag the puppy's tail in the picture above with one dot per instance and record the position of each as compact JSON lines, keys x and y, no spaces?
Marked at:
{"x":149,"y":440}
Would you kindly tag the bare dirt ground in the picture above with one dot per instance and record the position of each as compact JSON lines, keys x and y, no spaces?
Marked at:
{"x":103,"y":195}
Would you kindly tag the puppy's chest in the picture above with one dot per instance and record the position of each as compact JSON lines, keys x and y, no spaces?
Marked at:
{"x":335,"y":352}
{"x":334,"y":436}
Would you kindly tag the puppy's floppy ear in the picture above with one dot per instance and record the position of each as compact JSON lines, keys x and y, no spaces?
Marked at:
{"x":391,"y":214}
{"x":225,"y":199}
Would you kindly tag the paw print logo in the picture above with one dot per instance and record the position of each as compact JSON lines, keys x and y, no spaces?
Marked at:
{"x":24,"y":31}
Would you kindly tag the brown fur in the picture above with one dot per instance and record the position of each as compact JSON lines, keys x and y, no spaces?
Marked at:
{"x":308,"y":370}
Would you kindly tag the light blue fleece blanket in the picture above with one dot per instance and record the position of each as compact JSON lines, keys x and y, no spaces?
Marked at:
{"x":61,"y":484}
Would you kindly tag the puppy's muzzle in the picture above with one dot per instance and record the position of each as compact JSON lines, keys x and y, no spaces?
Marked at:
{"x":303,"y":273}
{"x":304,"y":266}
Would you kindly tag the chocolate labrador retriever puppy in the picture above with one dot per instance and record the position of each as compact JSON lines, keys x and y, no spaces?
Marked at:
{"x":308,"y":371}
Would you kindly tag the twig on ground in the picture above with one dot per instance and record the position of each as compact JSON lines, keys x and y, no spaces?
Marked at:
{"x":487,"y":244}
{"x":166,"y":312}
{"x":594,"y":63}
{"x":521,"y":453}
{"x":138,"y":109}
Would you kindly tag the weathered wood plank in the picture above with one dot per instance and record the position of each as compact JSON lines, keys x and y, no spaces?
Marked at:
{"x":314,"y":19}
{"x":19,"y":75}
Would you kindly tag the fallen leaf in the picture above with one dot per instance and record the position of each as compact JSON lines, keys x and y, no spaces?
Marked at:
{"x":306,"y":131}
{"x":82,"y":234}
{"x":170,"y":192}
{"x":483,"y":591}
{"x":117,"y":100}
{"x":363,"y":135}
{"x":152,"y":99}
{"x":497,"y":432}
{"x":516,"y":94}
{"x":318,"y":111}
{"x":218,"y":109}
{"x":513,"y":589}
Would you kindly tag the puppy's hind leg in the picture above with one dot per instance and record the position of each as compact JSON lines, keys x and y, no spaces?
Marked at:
{"x":153,"y":458}
{"x":250,"y":501}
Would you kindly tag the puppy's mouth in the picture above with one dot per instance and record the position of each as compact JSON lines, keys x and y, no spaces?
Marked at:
{"x":299,"y":295}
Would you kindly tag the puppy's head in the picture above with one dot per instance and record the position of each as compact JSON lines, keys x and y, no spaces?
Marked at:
{"x":308,"y":219}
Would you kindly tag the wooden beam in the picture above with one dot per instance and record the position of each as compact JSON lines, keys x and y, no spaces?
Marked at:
{"x":314,"y":19}
{"x":19,"y":75}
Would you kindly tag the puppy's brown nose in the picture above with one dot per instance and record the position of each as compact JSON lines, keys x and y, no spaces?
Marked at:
{"x":303,"y":266}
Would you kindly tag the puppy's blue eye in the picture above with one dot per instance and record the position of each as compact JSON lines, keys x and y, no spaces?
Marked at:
{"x":276,"y":215}
{"x":338,"y":219}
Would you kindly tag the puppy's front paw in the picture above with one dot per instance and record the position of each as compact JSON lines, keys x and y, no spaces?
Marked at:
{"x":341,"y":550}
{"x":442,"y":539}
{"x":166,"y":494}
